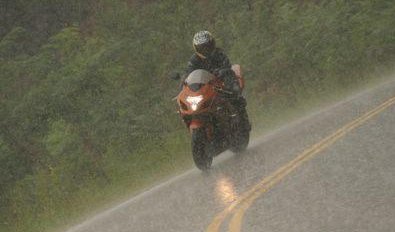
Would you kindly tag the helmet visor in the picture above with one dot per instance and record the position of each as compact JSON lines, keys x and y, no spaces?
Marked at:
{"x":205,"y":49}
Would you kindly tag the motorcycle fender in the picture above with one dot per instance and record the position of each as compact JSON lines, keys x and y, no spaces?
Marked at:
{"x":195,"y":124}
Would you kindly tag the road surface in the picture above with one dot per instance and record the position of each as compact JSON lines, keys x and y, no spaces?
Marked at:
{"x":333,"y":170}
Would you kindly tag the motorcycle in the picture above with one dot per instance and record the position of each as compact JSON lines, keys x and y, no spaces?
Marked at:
{"x":215,"y":125}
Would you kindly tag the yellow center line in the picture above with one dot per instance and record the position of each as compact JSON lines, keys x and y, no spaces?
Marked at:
{"x":239,"y":206}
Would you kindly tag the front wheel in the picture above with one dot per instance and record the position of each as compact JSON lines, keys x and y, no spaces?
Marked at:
{"x":200,"y":151}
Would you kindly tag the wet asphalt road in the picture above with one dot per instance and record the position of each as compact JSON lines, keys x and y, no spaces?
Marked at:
{"x":347,"y":186}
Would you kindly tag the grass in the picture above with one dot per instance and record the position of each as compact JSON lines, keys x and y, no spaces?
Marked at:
{"x":268,"y":120}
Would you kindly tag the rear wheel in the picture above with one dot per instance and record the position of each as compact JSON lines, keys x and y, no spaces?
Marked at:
{"x":242,"y":137}
{"x":200,"y":153}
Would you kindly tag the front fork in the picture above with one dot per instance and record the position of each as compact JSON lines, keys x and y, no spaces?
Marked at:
{"x":198,"y":123}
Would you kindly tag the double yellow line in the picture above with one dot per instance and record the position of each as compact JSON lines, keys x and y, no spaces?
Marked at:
{"x":239,"y":207}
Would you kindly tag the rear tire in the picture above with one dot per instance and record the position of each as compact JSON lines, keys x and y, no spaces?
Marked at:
{"x":242,"y":137}
{"x":200,"y":153}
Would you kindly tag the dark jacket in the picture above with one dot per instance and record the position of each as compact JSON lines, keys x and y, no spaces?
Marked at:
{"x":218,"y":60}
{"x":218,"y":64}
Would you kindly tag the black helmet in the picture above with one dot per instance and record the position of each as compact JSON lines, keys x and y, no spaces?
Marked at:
{"x":203,"y":43}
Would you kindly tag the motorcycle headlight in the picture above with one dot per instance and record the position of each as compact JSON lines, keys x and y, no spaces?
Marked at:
{"x":194,"y":101}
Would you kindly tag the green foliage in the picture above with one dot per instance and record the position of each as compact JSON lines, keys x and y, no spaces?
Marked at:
{"x":14,"y":43}
{"x":85,"y":103}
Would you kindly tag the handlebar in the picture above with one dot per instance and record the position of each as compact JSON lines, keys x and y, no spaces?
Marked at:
{"x":225,"y":93}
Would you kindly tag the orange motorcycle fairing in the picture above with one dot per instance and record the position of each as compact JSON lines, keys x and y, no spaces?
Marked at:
{"x":237,"y":70}
{"x":207,"y":114}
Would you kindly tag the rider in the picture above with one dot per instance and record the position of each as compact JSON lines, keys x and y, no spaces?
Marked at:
{"x":211,"y":58}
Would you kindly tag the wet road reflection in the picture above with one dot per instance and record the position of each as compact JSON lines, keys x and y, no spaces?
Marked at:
{"x":225,"y":190}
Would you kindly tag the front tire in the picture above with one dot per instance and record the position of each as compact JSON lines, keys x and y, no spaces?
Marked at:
{"x":200,"y":151}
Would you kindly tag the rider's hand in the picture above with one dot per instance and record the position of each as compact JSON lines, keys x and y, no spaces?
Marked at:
{"x":216,"y":72}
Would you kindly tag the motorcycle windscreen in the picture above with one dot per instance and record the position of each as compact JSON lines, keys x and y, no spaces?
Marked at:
{"x":198,"y":78}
